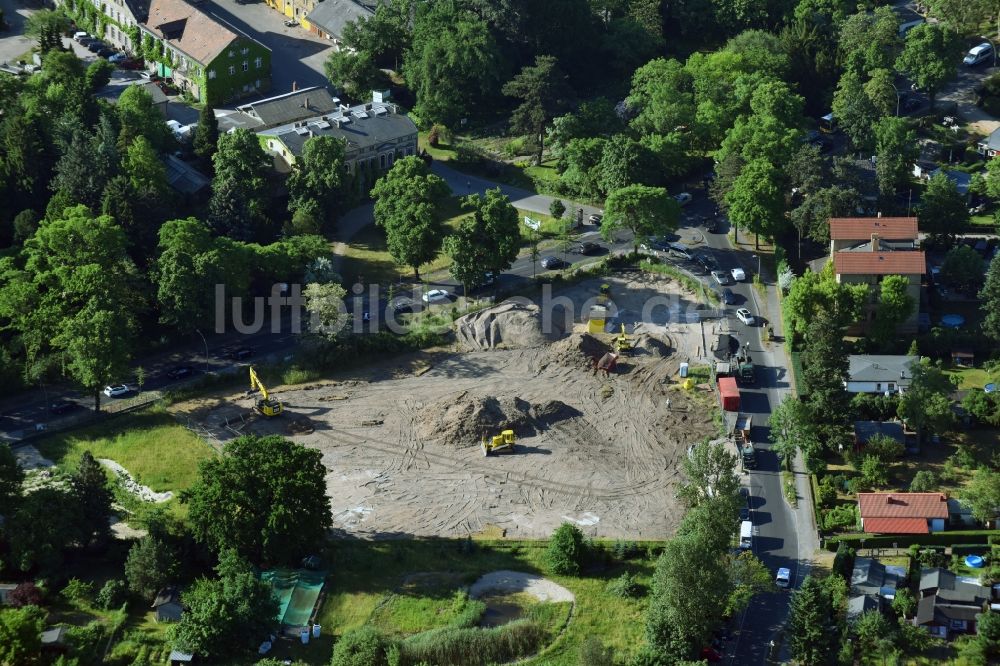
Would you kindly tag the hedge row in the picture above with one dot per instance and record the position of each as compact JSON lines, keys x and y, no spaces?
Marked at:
{"x":474,"y":647}
{"x":904,"y":540}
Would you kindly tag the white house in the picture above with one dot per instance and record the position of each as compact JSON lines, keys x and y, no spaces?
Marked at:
{"x":871,"y":373}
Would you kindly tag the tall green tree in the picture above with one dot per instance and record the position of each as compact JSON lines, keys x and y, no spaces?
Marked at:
{"x":926,"y":403}
{"x":454,"y":63}
{"x":811,"y":616}
{"x":643,"y":210}
{"x":487,"y":241}
{"x":793,"y":428}
{"x":91,"y":487}
{"x":21,"y":635}
{"x":239,"y":190}
{"x":139,"y":117}
{"x":11,"y":477}
{"x":966,"y":15}
{"x":756,"y":201}
{"x":353,"y":72}
{"x":990,"y":296}
{"x":854,"y":109}
{"x":711,"y":471}
{"x":824,"y":368}
{"x":544,"y":93}
{"x":319,"y":177}
{"x":151,"y":564}
{"x":265,"y":498}
{"x":963,"y":268}
{"x":663,"y":95}
{"x":146,"y":172}
{"x":408,"y":206}
{"x":895,"y":305}
{"x":869,"y":40}
{"x":206,"y":135}
{"x":982,"y":494}
{"x":226,"y":617}
{"x":929,"y":57}
{"x":895,"y":148}
{"x":943,"y":209}
{"x":41,"y":531}
{"x":625,"y":162}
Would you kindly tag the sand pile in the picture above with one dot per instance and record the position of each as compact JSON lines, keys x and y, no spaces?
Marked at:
{"x":652,"y":346}
{"x":465,"y":420}
{"x":578,"y":349}
{"x":510,"y":325}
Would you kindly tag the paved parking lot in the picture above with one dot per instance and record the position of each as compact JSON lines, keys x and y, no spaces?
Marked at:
{"x":296,"y":55}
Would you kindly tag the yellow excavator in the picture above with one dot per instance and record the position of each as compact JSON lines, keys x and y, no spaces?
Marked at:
{"x":499,"y":443}
{"x":623,"y":343}
{"x":267,"y":405}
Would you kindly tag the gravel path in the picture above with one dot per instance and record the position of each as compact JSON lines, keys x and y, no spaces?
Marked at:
{"x":542,"y":589}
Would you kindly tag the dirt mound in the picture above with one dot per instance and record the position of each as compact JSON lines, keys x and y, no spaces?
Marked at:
{"x":578,"y":349}
{"x":652,"y":346}
{"x":510,"y":325}
{"x":465,"y":420}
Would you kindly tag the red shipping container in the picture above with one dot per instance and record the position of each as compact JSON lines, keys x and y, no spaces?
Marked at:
{"x":730,"y":394}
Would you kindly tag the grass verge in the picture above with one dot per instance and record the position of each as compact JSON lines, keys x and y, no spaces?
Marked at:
{"x":151,"y":445}
{"x":696,"y":287}
{"x":788,"y":487}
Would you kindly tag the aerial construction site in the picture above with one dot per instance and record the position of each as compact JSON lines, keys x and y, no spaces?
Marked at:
{"x":404,"y":440}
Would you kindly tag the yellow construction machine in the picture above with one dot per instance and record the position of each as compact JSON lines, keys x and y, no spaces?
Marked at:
{"x":499,"y":443}
{"x":266,"y":405}
{"x":623,"y":343}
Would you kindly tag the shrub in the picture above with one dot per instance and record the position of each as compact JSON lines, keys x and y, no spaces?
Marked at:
{"x":594,"y":653}
{"x":25,"y":594}
{"x":113,"y":594}
{"x":924,"y":481}
{"x":78,"y":591}
{"x":904,"y":604}
{"x":840,"y":517}
{"x":566,"y":550}
{"x":886,"y":449}
{"x":625,"y":586}
{"x":625,"y":550}
{"x":843,"y":561}
{"x":827,"y":491}
{"x":362,"y":647}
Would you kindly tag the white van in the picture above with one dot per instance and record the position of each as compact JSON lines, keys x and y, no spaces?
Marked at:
{"x":77,"y":36}
{"x":978,"y":54}
{"x":746,"y":535}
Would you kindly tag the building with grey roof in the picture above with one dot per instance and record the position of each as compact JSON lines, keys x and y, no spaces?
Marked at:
{"x":287,"y":108}
{"x":879,"y":373}
{"x":375,"y":134}
{"x":858,"y":605}
{"x":328,"y":18}
{"x":990,"y":146}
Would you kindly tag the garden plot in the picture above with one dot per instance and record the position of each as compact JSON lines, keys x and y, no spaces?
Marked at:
{"x":402,"y":439}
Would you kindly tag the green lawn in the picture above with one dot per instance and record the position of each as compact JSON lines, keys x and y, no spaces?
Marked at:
{"x":151,"y":445}
{"x":971,"y":378}
{"x":407,"y":586}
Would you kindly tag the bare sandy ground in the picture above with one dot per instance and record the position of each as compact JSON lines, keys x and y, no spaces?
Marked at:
{"x":601,"y":452}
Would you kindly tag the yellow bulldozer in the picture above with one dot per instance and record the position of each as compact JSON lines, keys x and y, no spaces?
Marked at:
{"x":266,"y":405}
{"x":499,"y":443}
{"x":623,"y":343}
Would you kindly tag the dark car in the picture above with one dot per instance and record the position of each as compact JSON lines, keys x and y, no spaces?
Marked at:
{"x":180,"y":372}
{"x":713,"y":225}
{"x":106,"y":53}
{"x":62,"y":406}
{"x":744,"y":513}
{"x":95,"y":46}
{"x":240,"y":353}
{"x":552,"y":263}
{"x":587,"y":248}
{"x":727,"y":296}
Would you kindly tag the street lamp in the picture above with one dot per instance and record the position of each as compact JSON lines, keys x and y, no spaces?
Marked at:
{"x":198,"y":331}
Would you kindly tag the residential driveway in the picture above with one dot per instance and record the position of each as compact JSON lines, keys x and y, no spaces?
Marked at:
{"x":296,"y":55}
{"x":13,"y":42}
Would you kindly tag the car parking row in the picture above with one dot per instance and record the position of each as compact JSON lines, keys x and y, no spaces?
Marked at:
{"x":102,"y":50}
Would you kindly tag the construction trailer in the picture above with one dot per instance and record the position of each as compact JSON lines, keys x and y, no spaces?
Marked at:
{"x":741,"y":438}
{"x":729,"y":393}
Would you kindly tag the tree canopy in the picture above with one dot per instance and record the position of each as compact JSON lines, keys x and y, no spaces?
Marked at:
{"x":643,"y":210}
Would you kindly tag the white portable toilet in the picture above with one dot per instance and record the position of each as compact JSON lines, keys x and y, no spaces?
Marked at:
{"x":684,"y":369}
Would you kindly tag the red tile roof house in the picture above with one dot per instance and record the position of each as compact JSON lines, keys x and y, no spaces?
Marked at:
{"x":866,"y":249}
{"x":903,"y":513}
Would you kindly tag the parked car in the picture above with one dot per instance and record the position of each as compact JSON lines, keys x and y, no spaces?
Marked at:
{"x":115,"y":390}
{"x":117,"y":58}
{"x":727,"y":296}
{"x":684,"y":198}
{"x":978,"y":54}
{"x":552,"y":263}
{"x":784,"y":578}
{"x":595,"y":218}
{"x":706,"y":260}
{"x":587,"y":248}
{"x":77,"y":36}
{"x":655,"y":244}
{"x":436,"y":296}
{"x":744,"y":513}
{"x":62,"y":406}
{"x":722,"y":277}
{"x":680,"y":250}
{"x":291,"y":23}
{"x":739,"y":274}
{"x":95,"y":46}
{"x":745,"y":316}
{"x":713,"y":225}
{"x":106,"y":53}
{"x":180,"y":372}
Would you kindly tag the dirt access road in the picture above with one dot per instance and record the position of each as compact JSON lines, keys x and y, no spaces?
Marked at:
{"x":401,"y":440}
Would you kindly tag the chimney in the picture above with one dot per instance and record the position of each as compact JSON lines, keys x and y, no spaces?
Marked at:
{"x":295,"y":86}
{"x":305,"y":104}
{"x":888,"y":499}
{"x":879,"y":214}
{"x":875,"y":240}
